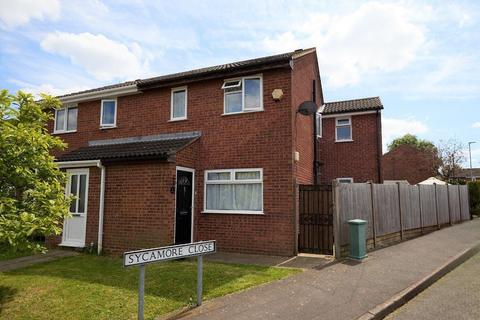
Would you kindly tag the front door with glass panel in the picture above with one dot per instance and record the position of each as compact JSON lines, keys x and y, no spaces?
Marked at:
{"x":184,"y":202}
{"x":74,"y":227}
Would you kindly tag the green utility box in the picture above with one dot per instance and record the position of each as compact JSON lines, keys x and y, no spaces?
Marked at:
{"x":358,"y":244}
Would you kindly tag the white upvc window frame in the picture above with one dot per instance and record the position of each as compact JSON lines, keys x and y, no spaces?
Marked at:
{"x":178,"y":89}
{"x":232,"y":180}
{"x":319,"y":124}
{"x":343,"y":125}
{"x":343,"y":180}
{"x":65,"y":120}
{"x":241,"y":83}
{"x":78,"y":173}
{"x":109,"y":125}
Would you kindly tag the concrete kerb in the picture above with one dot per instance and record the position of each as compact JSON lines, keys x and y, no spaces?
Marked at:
{"x":398,"y":300}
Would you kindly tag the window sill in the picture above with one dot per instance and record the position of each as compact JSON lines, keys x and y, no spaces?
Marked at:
{"x":350,"y":140}
{"x":242,"y":112}
{"x":63,"y":132}
{"x":107,"y":127}
{"x":233,"y":212}
{"x":176,"y":120}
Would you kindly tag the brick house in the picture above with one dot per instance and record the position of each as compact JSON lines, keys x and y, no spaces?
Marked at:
{"x":350,"y":141}
{"x":409,"y":163}
{"x":213,"y":153}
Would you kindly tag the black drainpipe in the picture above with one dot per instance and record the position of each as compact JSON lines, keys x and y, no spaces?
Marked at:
{"x":315,"y":162}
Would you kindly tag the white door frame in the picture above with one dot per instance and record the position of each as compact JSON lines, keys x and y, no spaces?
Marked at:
{"x":65,"y":241}
{"x":179,"y":168}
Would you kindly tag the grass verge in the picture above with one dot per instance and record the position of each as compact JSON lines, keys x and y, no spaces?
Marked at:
{"x":91,"y":287}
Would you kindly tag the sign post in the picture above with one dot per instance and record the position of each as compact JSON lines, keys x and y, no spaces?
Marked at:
{"x":142,"y":257}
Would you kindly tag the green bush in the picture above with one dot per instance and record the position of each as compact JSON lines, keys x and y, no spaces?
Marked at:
{"x":474,"y":195}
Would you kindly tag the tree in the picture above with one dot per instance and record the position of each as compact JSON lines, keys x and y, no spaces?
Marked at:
{"x":451,"y":154}
{"x":414,"y":141}
{"x":32,"y":194}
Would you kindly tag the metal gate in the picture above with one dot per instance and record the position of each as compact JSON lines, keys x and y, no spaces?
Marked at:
{"x":316,"y":219}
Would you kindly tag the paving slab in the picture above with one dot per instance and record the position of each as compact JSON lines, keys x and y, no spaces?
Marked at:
{"x":302,"y":261}
{"x":348,"y":289}
{"x":22,"y":262}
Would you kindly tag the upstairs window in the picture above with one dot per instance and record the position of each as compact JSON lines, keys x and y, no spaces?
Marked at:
{"x":179,"y":104}
{"x":318,"y":122}
{"x":343,"y":129}
{"x":243,"y":95}
{"x":66,"y":120}
{"x":108,"y":115}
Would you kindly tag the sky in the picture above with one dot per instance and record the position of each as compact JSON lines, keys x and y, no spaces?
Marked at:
{"x":421,"y":57}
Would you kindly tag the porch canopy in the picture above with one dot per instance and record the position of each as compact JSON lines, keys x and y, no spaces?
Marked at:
{"x":159,"y":147}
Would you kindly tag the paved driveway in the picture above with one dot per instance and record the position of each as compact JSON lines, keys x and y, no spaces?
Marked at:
{"x":455,"y":296}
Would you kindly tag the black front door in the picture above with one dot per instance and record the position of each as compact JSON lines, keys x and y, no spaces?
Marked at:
{"x":183,"y":221}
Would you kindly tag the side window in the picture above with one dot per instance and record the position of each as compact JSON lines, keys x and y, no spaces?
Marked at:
{"x":66,"y":120}
{"x":345,"y":180}
{"x":343,"y":129}
{"x":243,"y":95}
{"x":318,"y":119}
{"x":178,"y":109}
{"x":108,"y":115}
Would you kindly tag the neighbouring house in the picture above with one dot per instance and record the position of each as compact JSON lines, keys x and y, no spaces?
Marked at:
{"x":467,"y":174}
{"x":350,"y":141}
{"x":409,"y":163}
{"x":213,"y":153}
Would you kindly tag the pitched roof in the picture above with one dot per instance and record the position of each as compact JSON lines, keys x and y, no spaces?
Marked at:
{"x":467,"y":173}
{"x":148,"y":147}
{"x":355,"y":105}
{"x":218,"y":70}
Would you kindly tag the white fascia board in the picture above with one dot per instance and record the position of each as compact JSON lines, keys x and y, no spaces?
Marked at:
{"x":349,"y":114}
{"x":113,"y":92}
{"x":78,"y":164}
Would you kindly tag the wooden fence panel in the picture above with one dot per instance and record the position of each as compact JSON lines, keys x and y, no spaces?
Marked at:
{"x":388,"y":211}
{"x":454,"y":203}
{"x":355,"y":203}
{"x":442,"y":205}
{"x":464,"y":205}
{"x":427,"y":196}
{"x":410,"y":206}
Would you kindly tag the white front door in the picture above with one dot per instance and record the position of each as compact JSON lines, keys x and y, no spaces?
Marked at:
{"x":74,"y":227}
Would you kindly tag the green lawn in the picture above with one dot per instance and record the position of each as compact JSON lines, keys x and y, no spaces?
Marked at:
{"x":91,"y":287}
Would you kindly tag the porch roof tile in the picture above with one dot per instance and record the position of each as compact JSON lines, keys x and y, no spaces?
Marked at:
{"x":152,"y":147}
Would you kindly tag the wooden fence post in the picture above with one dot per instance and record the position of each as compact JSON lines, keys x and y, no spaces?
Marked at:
{"x":459,"y":203}
{"x":449,"y":210}
{"x":374,"y":215}
{"x":336,"y":220}
{"x":420,"y":208}
{"x":400,"y":210}
{"x":436,"y":206}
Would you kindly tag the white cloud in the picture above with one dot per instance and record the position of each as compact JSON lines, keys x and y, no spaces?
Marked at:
{"x":100,"y":56}
{"x":376,"y":37}
{"x":476,"y":125}
{"x":17,"y":12}
{"x":50,"y":89}
{"x":393,"y":128}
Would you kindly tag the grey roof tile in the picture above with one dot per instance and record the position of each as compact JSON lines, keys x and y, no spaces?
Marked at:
{"x":143,"y":149}
{"x":355,"y":105}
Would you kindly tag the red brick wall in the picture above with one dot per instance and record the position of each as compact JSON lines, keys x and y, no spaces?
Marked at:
{"x":357,"y":159}
{"x":408,"y":163}
{"x":305,"y":70}
{"x":139,"y":208}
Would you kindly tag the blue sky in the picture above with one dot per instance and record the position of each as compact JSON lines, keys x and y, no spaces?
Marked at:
{"x":421,"y":57}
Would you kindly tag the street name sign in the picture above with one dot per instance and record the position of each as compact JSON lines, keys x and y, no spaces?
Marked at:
{"x":145,"y":256}
{"x":132,"y":258}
